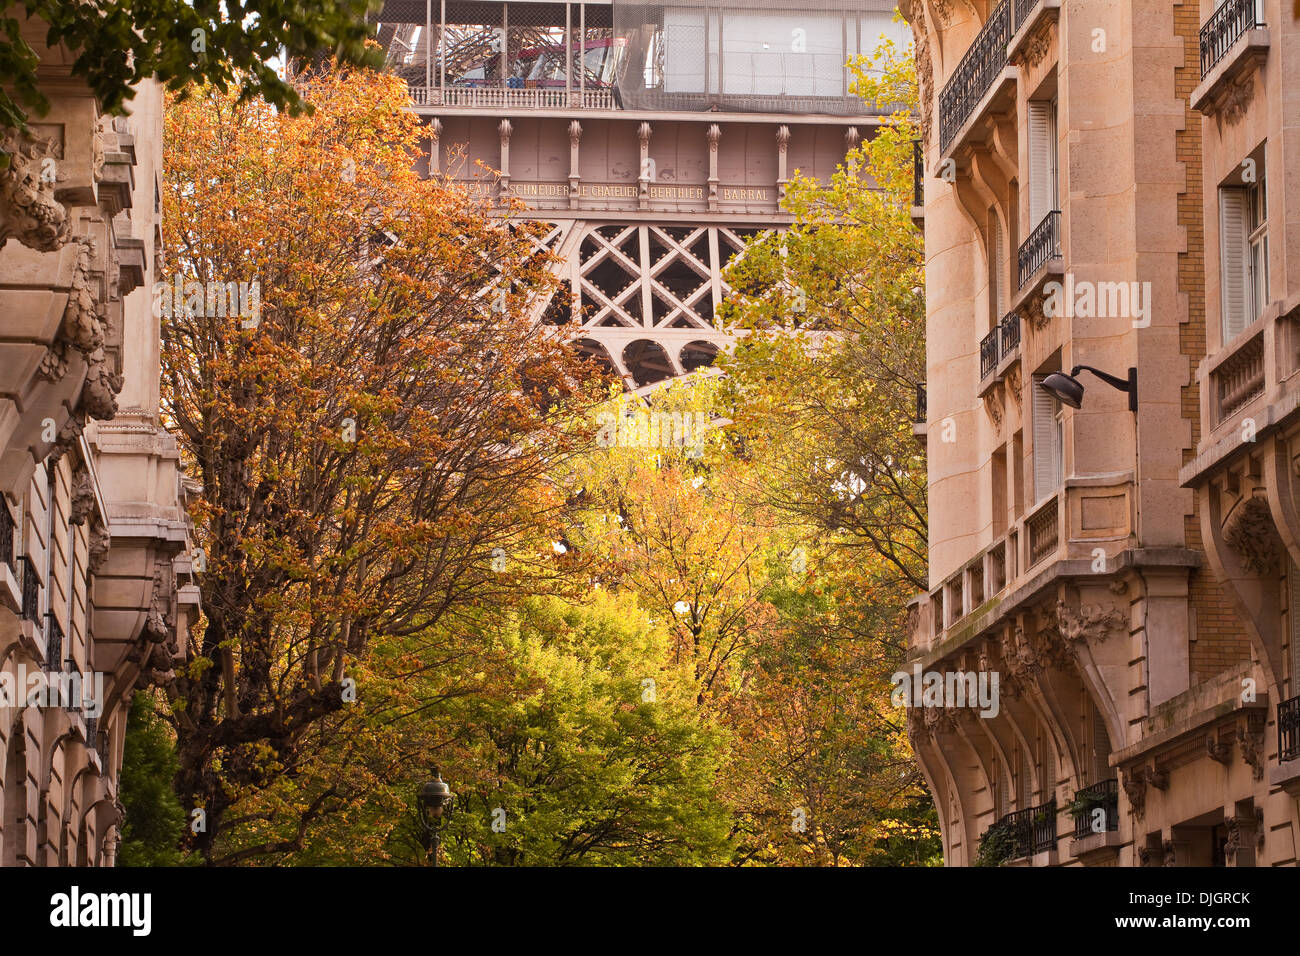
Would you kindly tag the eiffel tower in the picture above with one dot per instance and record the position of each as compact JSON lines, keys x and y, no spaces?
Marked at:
{"x":653,"y":139}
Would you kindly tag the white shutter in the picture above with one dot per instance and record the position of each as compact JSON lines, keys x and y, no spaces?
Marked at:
{"x":1232,"y":258}
{"x":1004,"y":789}
{"x":1042,"y":160}
{"x":1047,"y":441}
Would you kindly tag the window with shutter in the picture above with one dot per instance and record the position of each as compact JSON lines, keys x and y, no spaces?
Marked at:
{"x":1026,"y":783}
{"x":1257,"y":247}
{"x":1100,"y":746}
{"x":1004,"y":790}
{"x":1042,"y":160}
{"x":998,"y":280}
{"x":1048,"y":443}
{"x":1049,"y":769}
{"x":1232,"y":258}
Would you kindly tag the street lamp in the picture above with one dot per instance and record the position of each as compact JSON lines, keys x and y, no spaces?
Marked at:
{"x":1069,"y":390}
{"x":435,"y":801}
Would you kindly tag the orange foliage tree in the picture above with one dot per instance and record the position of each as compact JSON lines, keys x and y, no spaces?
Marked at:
{"x":368,"y":411}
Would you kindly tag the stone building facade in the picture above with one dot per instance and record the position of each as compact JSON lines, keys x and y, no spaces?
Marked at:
{"x":95,"y":571}
{"x":1106,"y":185}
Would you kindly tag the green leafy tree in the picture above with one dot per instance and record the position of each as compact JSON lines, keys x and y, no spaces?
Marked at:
{"x":594,"y":754}
{"x":118,"y":43}
{"x":155,"y":820}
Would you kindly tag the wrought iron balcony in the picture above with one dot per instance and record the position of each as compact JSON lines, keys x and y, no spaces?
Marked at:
{"x":918,"y":174}
{"x":1227,"y":25}
{"x":1043,"y":243}
{"x":1009,"y":333}
{"x":983,"y":62}
{"x":989,"y":353}
{"x":31,"y":590}
{"x":920,"y":404}
{"x":1288,"y":730}
{"x":1034,"y":828}
{"x":53,"y":643}
{"x":1023,"y":9}
{"x":6,"y":536}
{"x":1100,"y":796}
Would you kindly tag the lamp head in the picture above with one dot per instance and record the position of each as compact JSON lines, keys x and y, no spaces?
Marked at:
{"x":1067,"y":388}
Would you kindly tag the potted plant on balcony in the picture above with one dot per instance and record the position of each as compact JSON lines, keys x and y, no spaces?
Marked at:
{"x":999,"y":843}
{"x":1085,"y":802}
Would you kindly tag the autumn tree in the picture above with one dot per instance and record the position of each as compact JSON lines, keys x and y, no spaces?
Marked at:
{"x":369,"y":416}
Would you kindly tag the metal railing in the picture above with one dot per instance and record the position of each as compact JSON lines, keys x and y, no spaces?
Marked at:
{"x":1288,"y":730}
{"x":983,"y":62}
{"x":1009,"y":332}
{"x":920,"y":404}
{"x":31,"y":585}
{"x":92,"y":737}
{"x":1034,"y":828}
{"x":53,"y":643}
{"x":1023,"y":9}
{"x":989,"y":353}
{"x":1102,"y":796}
{"x":1043,"y":243}
{"x":6,"y":536}
{"x":918,"y":174}
{"x":1224,"y":28}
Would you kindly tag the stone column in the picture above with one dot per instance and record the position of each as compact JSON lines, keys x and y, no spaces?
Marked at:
{"x":505,"y":129}
{"x":782,"y":148}
{"x":644,"y":177}
{"x":713,"y":135}
{"x":575,"y":136}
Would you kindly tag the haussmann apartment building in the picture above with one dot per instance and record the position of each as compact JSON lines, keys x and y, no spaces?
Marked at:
{"x":96,"y":591}
{"x":1111,"y":185}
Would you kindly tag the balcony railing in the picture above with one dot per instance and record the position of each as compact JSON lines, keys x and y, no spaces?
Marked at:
{"x":918,"y":174}
{"x":1225,"y":28}
{"x":920,"y":404}
{"x":31,"y":591}
{"x":1044,"y":532}
{"x":1288,"y":730}
{"x":53,"y":643}
{"x":92,"y":737}
{"x":1009,"y":333}
{"x":983,"y":62}
{"x":1023,"y":9}
{"x":6,"y":536}
{"x":1043,"y":243}
{"x":1240,"y":379}
{"x":506,"y":97}
{"x":1034,"y":828}
{"x":1100,"y":796}
{"x":989,"y":353}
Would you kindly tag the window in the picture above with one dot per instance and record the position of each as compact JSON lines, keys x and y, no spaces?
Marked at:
{"x":1243,"y":240}
{"x":1049,"y":441}
{"x":1043,"y":188}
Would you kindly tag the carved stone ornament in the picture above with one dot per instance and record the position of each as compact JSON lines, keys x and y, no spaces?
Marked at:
{"x":1146,"y":856}
{"x":1235,"y":100}
{"x":1249,"y":531}
{"x":1234,"y":841}
{"x":924,"y":72}
{"x":1038,"y":46}
{"x":942,"y":10}
{"x":1251,"y":739}
{"x":575,"y":133}
{"x":28,"y":209}
{"x":993,"y":406}
{"x":916,"y":728}
{"x":1135,"y":788}
{"x":1171,"y":853}
{"x":100,"y":542}
{"x":1091,"y":623}
{"x":83,"y":497}
{"x":1218,"y":749}
{"x":1013,"y":384}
